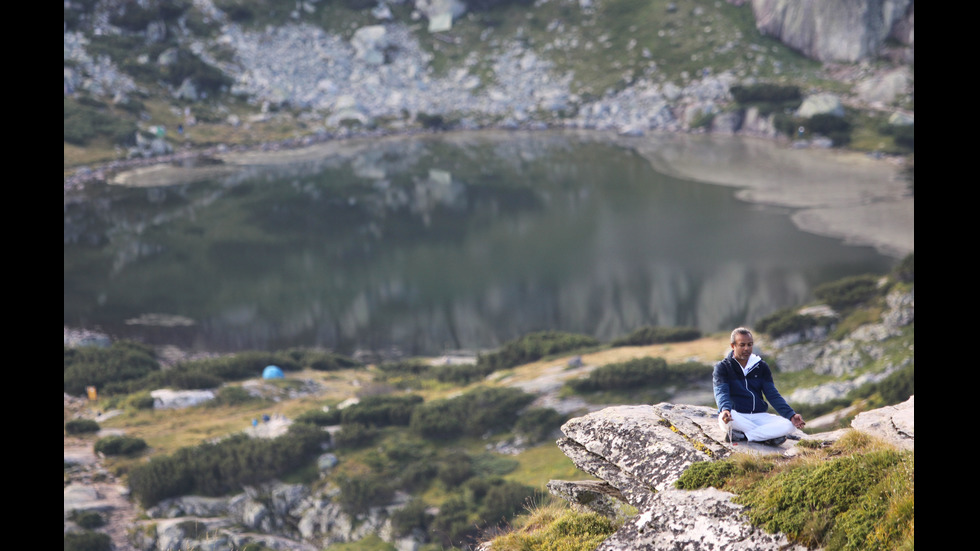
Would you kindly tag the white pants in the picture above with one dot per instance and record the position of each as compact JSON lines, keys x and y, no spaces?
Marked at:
{"x":758,"y":426}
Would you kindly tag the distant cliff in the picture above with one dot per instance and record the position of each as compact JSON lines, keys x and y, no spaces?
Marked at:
{"x":840,"y":30}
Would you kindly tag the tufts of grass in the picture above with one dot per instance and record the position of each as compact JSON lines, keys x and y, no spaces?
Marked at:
{"x":858,"y":493}
{"x":556,"y":527}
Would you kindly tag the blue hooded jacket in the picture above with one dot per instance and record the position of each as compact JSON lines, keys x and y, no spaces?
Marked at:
{"x":747,"y":393}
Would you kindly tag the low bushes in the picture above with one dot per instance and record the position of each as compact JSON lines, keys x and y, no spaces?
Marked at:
{"x":87,"y":541}
{"x":128,"y":367}
{"x":473,"y":413}
{"x":120,"y":445}
{"x":639,"y":373}
{"x":81,"y":426}
{"x":533,"y":347}
{"x":787,"y":321}
{"x":856,"y":494}
{"x":217,"y":469}
{"x":849,"y":292}
{"x":107,"y":367}
{"x":657,"y":335}
{"x":86,"y":123}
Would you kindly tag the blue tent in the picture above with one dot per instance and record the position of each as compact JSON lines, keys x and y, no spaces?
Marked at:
{"x":272,"y":372}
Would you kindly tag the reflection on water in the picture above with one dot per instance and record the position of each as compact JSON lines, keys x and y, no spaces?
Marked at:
{"x":431,"y":244}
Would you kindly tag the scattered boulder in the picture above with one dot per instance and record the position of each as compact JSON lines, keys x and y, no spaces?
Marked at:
{"x":165,"y":398}
{"x":820,"y":104}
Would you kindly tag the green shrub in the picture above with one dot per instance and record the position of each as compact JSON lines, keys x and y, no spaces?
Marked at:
{"x":503,"y":501}
{"x":432,"y":122}
{"x":788,"y":321}
{"x":460,"y":374}
{"x":381,"y":410}
{"x":884,"y":516}
{"x":806,"y":502}
{"x":190,"y":380}
{"x":452,"y":523}
{"x":83,"y":124}
{"x":557,"y":528}
{"x":120,"y":445}
{"x":188,"y":65}
{"x":836,"y":128}
{"x":141,"y":400}
{"x":705,"y":473}
{"x":658,"y":335}
{"x":219,"y":468}
{"x":536,"y":424}
{"x":437,"y":419}
{"x":897,"y":387}
{"x":95,"y":366}
{"x":494,"y":465}
{"x":412,"y":516}
{"x":320,"y":360}
{"x":134,"y":17}
{"x":768,"y":98}
{"x":88,"y":519}
{"x":263,"y":12}
{"x":533,"y":347}
{"x":320,"y":418}
{"x":903,"y":134}
{"x":848,"y":292}
{"x":409,"y":368}
{"x":639,"y":373}
{"x":473,"y":413}
{"x":766,"y":93}
{"x":81,"y":426}
{"x":354,"y":435}
{"x":905,"y":270}
{"x":454,"y":468}
{"x":87,"y":541}
{"x":360,"y":493}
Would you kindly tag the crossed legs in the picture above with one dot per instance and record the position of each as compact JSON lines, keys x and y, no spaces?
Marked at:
{"x":758,"y":426}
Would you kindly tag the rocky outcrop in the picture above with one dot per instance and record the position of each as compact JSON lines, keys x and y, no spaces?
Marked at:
{"x":895,"y":424}
{"x":694,"y":520}
{"x":842,"y":358}
{"x":638,"y":452}
{"x":837,"y":30}
{"x":642,"y":450}
{"x":275,"y":515}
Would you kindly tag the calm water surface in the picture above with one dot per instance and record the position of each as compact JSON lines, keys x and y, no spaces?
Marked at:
{"x":424,"y":245}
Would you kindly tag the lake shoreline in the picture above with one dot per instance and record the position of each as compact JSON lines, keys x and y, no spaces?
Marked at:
{"x":851,"y":202}
{"x":862,"y":201}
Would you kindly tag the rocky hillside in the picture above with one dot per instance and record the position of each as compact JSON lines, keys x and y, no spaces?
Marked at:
{"x":637,"y":466}
{"x":153,"y":78}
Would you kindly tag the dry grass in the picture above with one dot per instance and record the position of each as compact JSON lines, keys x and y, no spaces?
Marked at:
{"x":706,"y":350}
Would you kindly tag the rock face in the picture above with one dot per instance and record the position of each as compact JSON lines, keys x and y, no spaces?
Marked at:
{"x":837,"y":30}
{"x":638,"y":452}
{"x":699,"y":519}
{"x":893,"y":423}
{"x":643,"y":450}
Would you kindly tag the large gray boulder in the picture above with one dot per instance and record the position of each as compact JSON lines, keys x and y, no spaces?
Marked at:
{"x":642,"y":449}
{"x":896,"y":424}
{"x":836,"y":30}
